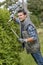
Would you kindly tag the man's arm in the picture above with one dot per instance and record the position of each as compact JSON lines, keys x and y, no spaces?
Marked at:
{"x":32,"y":32}
{"x":17,"y":20}
{"x":14,"y":18}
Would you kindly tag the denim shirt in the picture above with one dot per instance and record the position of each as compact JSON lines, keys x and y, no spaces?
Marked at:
{"x":32,"y":32}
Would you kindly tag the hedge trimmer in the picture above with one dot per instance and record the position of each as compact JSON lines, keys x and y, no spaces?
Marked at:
{"x":15,"y":33}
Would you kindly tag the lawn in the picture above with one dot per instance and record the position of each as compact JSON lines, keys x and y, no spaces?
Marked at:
{"x":27,"y":59}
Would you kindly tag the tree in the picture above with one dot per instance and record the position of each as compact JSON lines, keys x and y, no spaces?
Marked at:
{"x":36,"y":7}
{"x":8,"y":2}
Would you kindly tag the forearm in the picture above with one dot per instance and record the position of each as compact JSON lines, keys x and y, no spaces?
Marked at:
{"x":17,"y":20}
{"x":26,"y":40}
{"x":29,"y":39}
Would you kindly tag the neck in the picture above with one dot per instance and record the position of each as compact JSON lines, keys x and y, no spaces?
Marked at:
{"x":22,"y":21}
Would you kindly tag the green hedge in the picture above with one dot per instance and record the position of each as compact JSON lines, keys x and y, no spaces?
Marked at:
{"x":9,"y":46}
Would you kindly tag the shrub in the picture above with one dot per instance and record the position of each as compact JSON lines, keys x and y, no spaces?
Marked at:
{"x":9,"y":46}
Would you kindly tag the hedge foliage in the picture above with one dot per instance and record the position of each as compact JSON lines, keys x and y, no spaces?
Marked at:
{"x":9,"y":46}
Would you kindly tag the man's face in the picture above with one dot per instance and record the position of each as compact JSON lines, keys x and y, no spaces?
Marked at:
{"x":21,"y":16}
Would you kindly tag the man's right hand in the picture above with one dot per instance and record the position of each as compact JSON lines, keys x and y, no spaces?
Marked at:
{"x":12,"y":16}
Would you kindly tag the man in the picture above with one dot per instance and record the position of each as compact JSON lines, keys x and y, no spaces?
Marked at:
{"x":29,"y":37}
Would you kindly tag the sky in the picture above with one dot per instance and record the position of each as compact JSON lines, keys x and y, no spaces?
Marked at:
{"x":19,"y":0}
{"x":1,"y":0}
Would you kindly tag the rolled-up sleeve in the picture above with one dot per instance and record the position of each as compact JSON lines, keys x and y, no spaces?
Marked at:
{"x":32,"y":32}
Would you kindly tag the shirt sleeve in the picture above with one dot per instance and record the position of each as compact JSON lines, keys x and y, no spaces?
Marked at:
{"x":32,"y":32}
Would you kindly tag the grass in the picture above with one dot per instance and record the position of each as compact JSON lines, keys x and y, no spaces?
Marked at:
{"x":26,"y":59}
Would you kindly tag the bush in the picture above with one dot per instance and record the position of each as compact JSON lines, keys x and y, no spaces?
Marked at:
{"x":9,"y":46}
